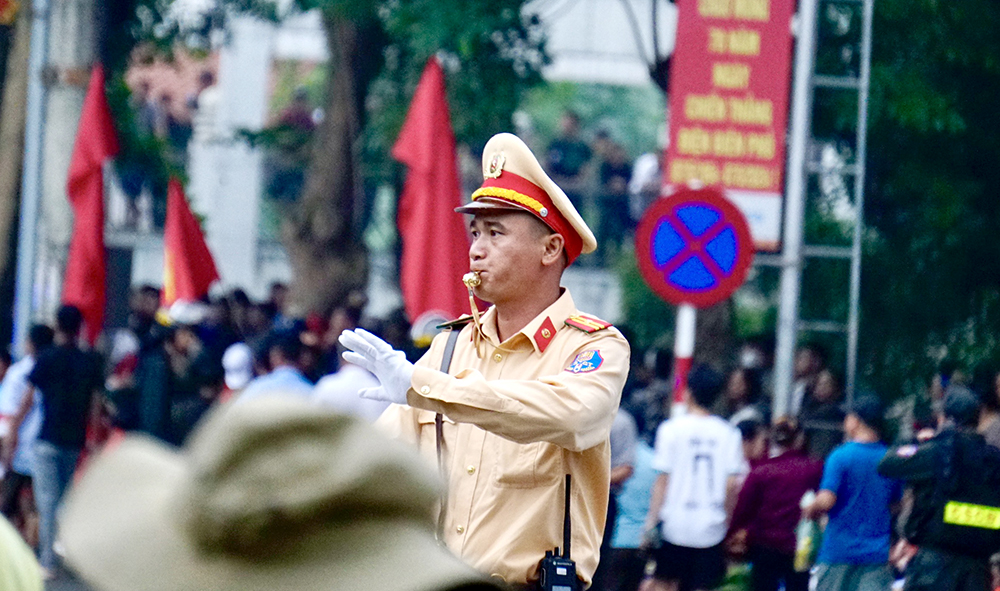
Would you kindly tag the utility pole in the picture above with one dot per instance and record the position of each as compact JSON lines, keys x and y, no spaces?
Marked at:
{"x":63,"y":47}
{"x":31,"y":179}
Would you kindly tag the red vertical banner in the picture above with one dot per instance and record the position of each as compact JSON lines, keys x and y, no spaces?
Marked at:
{"x":729,"y":84}
{"x":435,"y":243}
{"x":188,"y":267}
{"x":96,"y":142}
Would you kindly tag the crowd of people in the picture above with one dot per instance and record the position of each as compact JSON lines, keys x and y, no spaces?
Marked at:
{"x":721,"y":484}
{"x":707,"y":493}
{"x":507,"y":403}
{"x":158,"y":376}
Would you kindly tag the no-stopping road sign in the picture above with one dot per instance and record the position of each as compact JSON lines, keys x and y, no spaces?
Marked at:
{"x":694,"y":247}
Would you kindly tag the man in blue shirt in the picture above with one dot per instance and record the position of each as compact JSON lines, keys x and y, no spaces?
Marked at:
{"x":285,"y":377}
{"x":855,"y":549}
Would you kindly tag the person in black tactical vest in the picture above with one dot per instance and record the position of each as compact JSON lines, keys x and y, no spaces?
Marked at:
{"x":955,"y":519}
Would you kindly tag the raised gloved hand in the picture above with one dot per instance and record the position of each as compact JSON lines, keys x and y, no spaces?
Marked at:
{"x":377,"y":356}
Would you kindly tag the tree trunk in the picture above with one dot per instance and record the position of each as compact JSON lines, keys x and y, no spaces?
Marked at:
{"x":12,"y":120}
{"x":327,"y":255}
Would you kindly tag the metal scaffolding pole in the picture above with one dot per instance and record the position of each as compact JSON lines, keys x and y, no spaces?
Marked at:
{"x":795,"y":197}
{"x":859,"y":198}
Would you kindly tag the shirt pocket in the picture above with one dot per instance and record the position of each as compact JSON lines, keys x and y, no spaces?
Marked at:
{"x":526,"y":465}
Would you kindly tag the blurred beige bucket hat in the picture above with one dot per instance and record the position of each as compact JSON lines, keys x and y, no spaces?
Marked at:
{"x":269,"y":495}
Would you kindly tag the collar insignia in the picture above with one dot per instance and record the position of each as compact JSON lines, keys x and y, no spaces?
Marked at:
{"x":543,"y":336}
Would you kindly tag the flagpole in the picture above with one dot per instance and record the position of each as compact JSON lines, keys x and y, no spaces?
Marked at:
{"x":32,"y":174}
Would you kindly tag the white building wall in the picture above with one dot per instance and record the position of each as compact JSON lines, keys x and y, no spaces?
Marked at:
{"x":595,"y":40}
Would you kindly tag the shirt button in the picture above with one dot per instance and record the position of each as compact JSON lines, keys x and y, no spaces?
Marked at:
{"x":425,"y":389}
{"x":498,"y":357}
{"x":460,"y":529}
{"x":471,"y":470}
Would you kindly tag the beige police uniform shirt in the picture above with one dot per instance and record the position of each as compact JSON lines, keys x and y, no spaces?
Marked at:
{"x":534,"y":408}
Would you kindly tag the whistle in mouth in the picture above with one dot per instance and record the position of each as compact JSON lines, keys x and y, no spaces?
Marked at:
{"x":471,"y":279}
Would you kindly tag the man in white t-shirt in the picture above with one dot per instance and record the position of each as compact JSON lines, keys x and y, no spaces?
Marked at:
{"x":699,"y":458}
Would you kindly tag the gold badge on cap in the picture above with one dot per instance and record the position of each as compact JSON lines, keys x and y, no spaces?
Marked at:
{"x":495,"y":166}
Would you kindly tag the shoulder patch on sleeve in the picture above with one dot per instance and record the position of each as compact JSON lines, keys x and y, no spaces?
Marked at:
{"x":456,"y":323}
{"x":585,"y":362}
{"x":587,"y":324}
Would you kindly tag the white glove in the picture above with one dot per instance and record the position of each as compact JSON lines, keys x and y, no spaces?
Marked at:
{"x":390,"y":366}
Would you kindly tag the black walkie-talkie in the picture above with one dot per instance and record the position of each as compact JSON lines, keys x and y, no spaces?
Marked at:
{"x":558,"y":572}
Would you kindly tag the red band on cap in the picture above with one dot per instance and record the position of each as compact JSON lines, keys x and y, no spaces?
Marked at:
{"x":525,"y":194}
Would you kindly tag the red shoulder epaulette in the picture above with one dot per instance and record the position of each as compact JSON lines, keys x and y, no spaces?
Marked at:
{"x":456,"y":323}
{"x":587,"y":324}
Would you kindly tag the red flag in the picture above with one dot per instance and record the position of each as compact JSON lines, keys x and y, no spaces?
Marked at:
{"x":435,"y":244}
{"x":188,"y":267}
{"x":96,"y":141}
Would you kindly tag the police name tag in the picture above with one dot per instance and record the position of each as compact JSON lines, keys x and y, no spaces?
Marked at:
{"x":970,"y":515}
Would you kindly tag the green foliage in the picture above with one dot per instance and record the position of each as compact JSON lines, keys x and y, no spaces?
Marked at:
{"x":490,"y":55}
{"x":289,"y":77}
{"x":635,"y":115}
{"x":932,"y":268}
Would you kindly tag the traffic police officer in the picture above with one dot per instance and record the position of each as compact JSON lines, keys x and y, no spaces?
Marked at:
{"x":530,"y":391}
{"x":955,"y":519}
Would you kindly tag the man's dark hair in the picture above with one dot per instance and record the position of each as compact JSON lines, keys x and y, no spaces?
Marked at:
{"x":268,"y":309}
{"x":705,"y":385}
{"x":868,"y":407}
{"x":750,"y":429}
{"x":754,"y":382}
{"x":984,"y":386}
{"x":961,"y":406}
{"x":353,"y":314}
{"x":240,"y":297}
{"x":947,"y":367}
{"x":663,"y":363}
{"x":149,"y":290}
{"x":785,"y":431}
{"x":40,"y":336}
{"x":287,"y":343}
{"x":69,"y":319}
